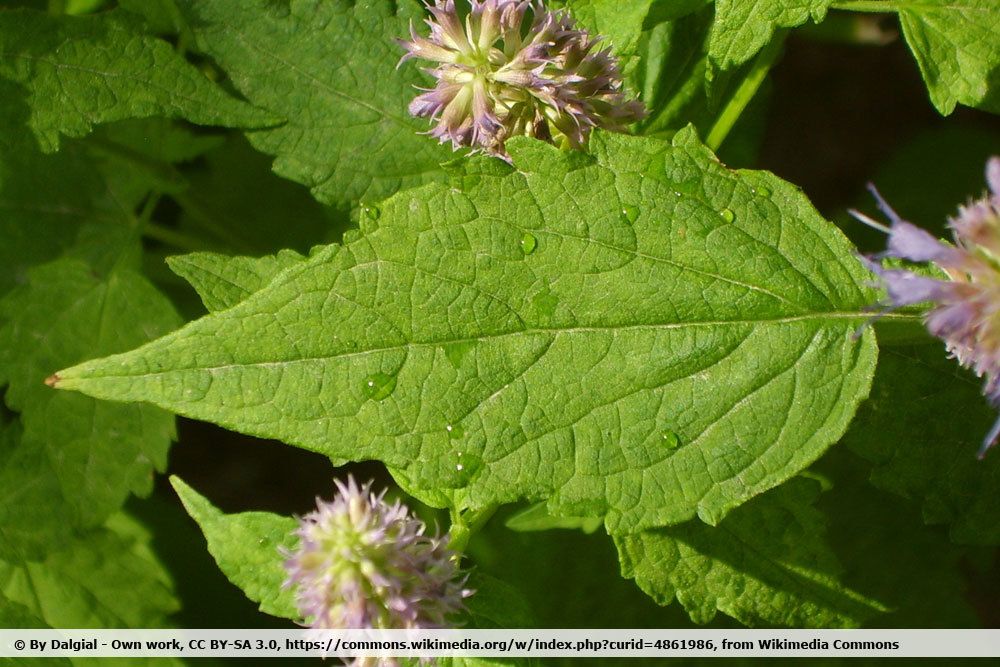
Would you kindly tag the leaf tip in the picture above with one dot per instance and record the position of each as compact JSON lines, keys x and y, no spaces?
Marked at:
{"x":53,"y":380}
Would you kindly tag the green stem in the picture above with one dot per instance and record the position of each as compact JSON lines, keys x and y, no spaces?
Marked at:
{"x":466,"y":524}
{"x":874,"y":6}
{"x":171,"y":237}
{"x":146,"y":214}
{"x":748,"y":87}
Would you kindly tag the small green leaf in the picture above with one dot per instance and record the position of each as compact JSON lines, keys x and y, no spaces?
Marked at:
{"x":98,"y":452}
{"x":767,"y":564}
{"x":246,"y":547}
{"x":222,"y":281}
{"x":957,"y":45}
{"x":734,"y":336}
{"x":329,"y":66}
{"x":743,"y":27}
{"x":74,"y":72}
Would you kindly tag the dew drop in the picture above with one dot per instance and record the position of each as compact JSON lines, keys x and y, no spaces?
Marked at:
{"x":372,"y":211}
{"x":465,"y":467}
{"x":727,"y":215}
{"x":630,"y":213}
{"x":764,"y":191}
{"x":670,"y":440}
{"x":379,"y":385}
{"x":454,"y":431}
{"x":678,"y":194}
{"x":528,"y":243}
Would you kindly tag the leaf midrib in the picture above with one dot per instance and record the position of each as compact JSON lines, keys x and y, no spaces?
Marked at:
{"x":68,"y":375}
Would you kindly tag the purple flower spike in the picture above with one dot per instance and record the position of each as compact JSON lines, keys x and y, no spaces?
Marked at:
{"x":501,"y":75}
{"x":363,"y":563}
{"x":966,"y":310}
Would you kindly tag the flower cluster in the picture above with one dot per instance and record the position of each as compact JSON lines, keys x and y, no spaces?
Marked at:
{"x":501,"y":75}
{"x":966,"y":311}
{"x":364,"y":563}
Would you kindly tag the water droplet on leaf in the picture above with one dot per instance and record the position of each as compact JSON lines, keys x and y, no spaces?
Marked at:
{"x":670,"y":440}
{"x":465,"y":467}
{"x":372,"y":211}
{"x":379,"y":385}
{"x":630,"y":213}
{"x":764,"y":191}
{"x":528,"y":243}
{"x":727,"y":215}
{"x":454,"y":431}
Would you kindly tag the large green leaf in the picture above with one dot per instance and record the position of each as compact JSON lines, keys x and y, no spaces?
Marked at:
{"x":76,"y":72}
{"x":329,"y":66}
{"x":93,"y":453}
{"x":767,"y":564}
{"x":108,"y":578}
{"x":640,"y":333}
{"x":957,"y":46}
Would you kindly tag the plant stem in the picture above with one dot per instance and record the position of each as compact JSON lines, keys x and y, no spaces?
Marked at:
{"x":737,"y":104}
{"x":171,"y":237}
{"x":465,"y":525}
{"x":875,"y":6}
{"x":146,"y":214}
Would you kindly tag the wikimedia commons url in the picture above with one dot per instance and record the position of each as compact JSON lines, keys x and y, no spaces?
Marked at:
{"x":497,"y":643}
